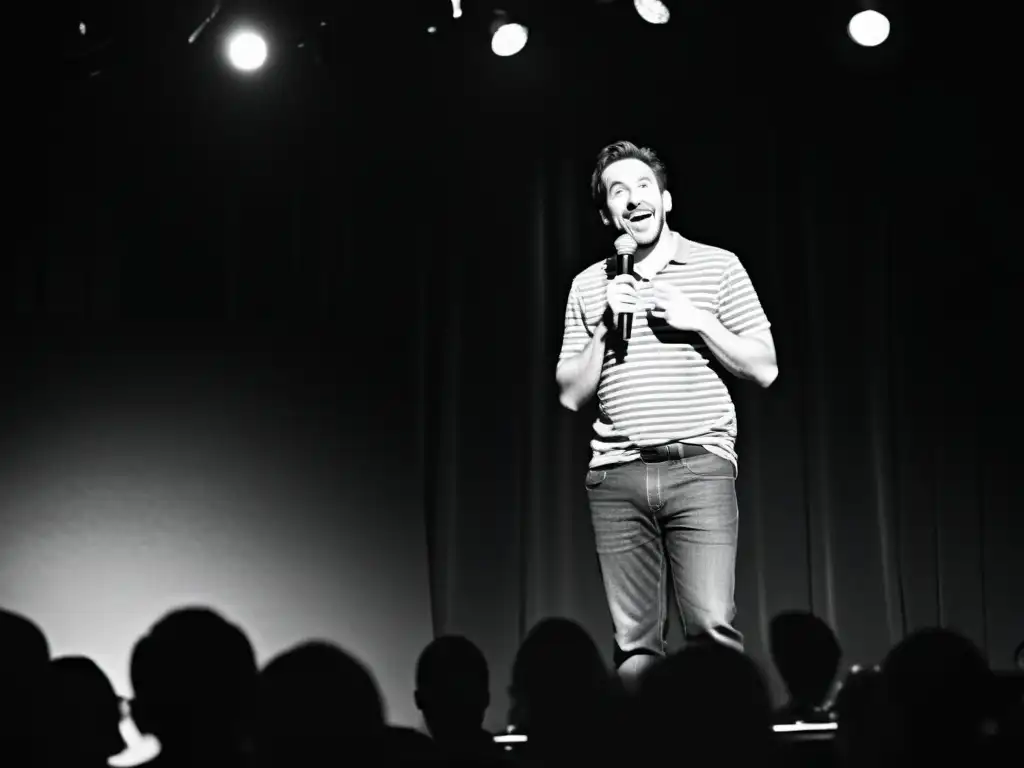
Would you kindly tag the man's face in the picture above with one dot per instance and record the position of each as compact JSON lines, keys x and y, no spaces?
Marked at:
{"x":633,"y":198}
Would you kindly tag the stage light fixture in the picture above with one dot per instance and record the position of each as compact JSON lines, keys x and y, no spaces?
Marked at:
{"x":247,"y":50}
{"x":435,"y":16}
{"x":868,"y":28}
{"x":205,"y":23}
{"x":507,"y":37}
{"x":652,"y":11}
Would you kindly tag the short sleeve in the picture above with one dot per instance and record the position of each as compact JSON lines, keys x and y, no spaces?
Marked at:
{"x":576,"y":334}
{"x":739,"y":308}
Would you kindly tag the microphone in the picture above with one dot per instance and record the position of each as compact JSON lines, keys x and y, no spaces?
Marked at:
{"x":625,"y":247}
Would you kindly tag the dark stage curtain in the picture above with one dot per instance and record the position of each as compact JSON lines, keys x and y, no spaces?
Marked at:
{"x":865,"y":200}
{"x":422,"y":216}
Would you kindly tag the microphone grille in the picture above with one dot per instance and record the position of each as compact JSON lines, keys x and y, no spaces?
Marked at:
{"x":625,"y":244}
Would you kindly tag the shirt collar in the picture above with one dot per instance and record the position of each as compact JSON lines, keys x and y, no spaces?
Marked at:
{"x":679,"y":256}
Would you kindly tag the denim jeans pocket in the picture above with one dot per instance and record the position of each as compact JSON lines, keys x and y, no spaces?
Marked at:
{"x":711,"y":465}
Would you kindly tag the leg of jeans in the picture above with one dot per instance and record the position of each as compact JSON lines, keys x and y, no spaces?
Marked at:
{"x":701,"y":523}
{"x":633,"y":565}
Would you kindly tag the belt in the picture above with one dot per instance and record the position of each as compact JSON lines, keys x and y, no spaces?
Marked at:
{"x":671,"y":451}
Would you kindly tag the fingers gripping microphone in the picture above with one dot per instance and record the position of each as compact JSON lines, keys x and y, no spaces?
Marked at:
{"x":625,"y":247}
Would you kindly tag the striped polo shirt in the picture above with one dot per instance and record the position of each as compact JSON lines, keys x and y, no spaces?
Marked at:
{"x":668,"y":386}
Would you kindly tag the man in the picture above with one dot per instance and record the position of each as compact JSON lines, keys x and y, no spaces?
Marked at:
{"x":661,"y":482}
{"x":194,"y":676}
{"x":453,"y":691}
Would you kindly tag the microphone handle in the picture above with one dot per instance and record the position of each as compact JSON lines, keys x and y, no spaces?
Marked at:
{"x":625,"y":265}
{"x":625,"y":325}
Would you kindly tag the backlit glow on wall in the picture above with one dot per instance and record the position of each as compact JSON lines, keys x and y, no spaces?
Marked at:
{"x":133,"y":489}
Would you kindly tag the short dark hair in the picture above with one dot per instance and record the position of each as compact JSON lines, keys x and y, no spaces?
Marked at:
{"x":624,"y":150}
{"x":452,"y":661}
{"x":193,"y":663}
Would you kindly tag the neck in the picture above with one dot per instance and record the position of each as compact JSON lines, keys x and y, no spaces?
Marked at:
{"x":658,"y":251}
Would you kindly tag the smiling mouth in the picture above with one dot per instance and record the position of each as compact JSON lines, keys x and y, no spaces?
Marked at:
{"x":640,"y":216}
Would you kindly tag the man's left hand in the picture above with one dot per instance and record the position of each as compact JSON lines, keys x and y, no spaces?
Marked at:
{"x":675,"y":308}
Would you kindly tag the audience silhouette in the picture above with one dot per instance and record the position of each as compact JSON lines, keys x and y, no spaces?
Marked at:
{"x":938,"y":689}
{"x":453,"y":693}
{"x":713,"y":692}
{"x":318,"y":705}
{"x":1007,"y":746}
{"x":806,"y":654}
{"x":198,"y":690}
{"x":194,"y":676}
{"x":564,"y":696}
{"x":24,"y":684}
{"x":86,"y":712}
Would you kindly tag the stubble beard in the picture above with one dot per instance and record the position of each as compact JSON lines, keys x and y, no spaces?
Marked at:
{"x":653,"y":237}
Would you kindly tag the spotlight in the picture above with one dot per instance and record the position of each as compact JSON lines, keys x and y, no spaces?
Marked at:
{"x":247,"y":50}
{"x":507,"y":37}
{"x":652,"y":11}
{"x":868,"y":28}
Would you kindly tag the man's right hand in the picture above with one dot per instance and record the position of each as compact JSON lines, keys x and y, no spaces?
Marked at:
{"x":621,"y":295}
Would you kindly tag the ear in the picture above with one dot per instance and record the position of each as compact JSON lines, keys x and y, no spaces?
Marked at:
{"x":666,"y":200}
{"x":604,"y":219}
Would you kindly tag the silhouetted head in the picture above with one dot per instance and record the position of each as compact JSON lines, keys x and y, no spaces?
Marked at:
{"x":937,"y":685}
{"x":24,"y":677}
{"x":315,"y":702}
{"x":24,"y":645}
{"x":557,"y":673}
{"x":86,"y":712}
{"x":193,"y":677}
{"x":806,"y":654}
{"x":714,"y":692}
{"x":452,"y":684}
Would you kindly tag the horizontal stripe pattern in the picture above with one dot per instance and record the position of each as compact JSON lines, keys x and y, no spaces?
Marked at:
{"x":666,"y":389}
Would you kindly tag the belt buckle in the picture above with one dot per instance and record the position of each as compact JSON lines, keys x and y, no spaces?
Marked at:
{"x":675,"y":451}
{"x":655,"y":453}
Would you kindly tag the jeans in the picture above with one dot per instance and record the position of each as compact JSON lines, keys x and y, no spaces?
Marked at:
{"x":655,"y":519}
